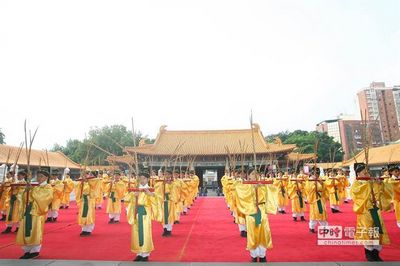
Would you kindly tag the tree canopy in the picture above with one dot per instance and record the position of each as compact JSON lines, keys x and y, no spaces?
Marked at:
{"x":110,"y":138}
{"x":305,"y":141}
{"x":2,"y":137}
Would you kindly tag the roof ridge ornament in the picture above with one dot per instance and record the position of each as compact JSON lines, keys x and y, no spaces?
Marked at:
{"x":256,"y":126}
{"x":163,"y":128}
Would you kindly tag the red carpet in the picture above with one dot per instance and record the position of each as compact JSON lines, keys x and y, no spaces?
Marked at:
{"x":207,"y":234}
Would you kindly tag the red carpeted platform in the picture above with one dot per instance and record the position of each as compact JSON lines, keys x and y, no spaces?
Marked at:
{"x":207,"y":234}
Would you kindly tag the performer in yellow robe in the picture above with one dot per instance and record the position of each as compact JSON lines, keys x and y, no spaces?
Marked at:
{"x":317,"y":194}
{"x":185,"y":194}
{"x":256,"y":201}
{"x":370,"y":197}
{"x":179,"y":181}
{"x":296,"y":195}
{"x":166,"y":196}
{"x":142,"y":205}
{"x":86,"y":191}
{"x":68,"y":188}
{"x":282,"y":182}
{"x":5,"y":195}
{"x":115,"y":189}
{"x":33,"y":211}
{"x":394,"y":172}
{"x":239,"y":218}
{"x":101,"y":189}
{"x":16,"y":192}
{"x":334,"y":186}
{"x":58,"y":188}
{"x":344,"y":188}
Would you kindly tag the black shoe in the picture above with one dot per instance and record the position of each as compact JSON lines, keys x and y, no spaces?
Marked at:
{"x":145,"y":258}
{"x":243,"y":233}
{"x":116,"y":221}
{"x":61,"y":207}
{"x":67,"y":207}
{"x":84,"y":233}
{"x":369,"y":255}
{"x":294,"y":219}
{"x":25,"y":256}
{"x":375,"y":254}
{"x":7,"y":231}
{"x":303,"y":219}
{"x":49,"y":219}
{"x":54,"y":220}
{"x":3,"y":217}
{"x":184,"y":213}
{"x":312,"y":231}
{"x":176,"y":222}
{"x":138,"y":258}
{"x":111,"y":221}
{"x":283,"y":212}
{"x":33,"y":255}
{"x":16,"y":230}
{"x":346,"y":201}
{"x":169,"y":233}
{"x":263,"y":259}
{"x":253,"y":259}
{"x":165,"y":232}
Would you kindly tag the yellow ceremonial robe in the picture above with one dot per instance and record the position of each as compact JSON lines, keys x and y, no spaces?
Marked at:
{"x":334,"y":187}
{"x":58,"y":189}
{"x":229,"y":187}
{"x":185,"y":192}
{"x":317,"y":194}
{"x":361,"y":194}
{"x":140,"y":215}
{"x":344,"y":184}
{"x":115,"y":193}
{"x":283,"y":199}
{"x":86,"y":200}
{"x":5,"y":195}
{"x":240,"y":218}
{"x":167,"y":197}
{"x":258,"y":231}
{"x":297,"y":195}
{"x":68,"y":188}
{"x":179,"y":183}
{"x":13,"y":215}
{"x":31,"y":226}
{"x":396,"y":197}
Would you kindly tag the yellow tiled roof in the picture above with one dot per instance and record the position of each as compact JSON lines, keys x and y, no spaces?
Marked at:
{"x":210,"y":142}
{"x":38,"y":157}
{"x":378,"y":156}
{"x":121,"y":159}
{"x":295,"y":156}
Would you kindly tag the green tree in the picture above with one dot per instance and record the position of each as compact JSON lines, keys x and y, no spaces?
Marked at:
{"x":305,"y":141}
{"x":2,"y":137}
{"x":109,"y":138}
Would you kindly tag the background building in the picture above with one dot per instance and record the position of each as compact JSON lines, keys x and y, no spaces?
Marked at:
{"x":382,"y":104}
{"x":347,"y":131}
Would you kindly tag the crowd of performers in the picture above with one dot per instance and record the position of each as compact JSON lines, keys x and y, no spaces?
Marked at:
{"x":168,"y":194}
{"x":252,"y":195}
{"x":147,"y":197}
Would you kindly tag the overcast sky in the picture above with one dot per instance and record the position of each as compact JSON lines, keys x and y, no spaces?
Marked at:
{"x":71,"y":65}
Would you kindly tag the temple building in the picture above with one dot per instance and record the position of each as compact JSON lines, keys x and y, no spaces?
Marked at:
{"x":206,"y":151}
{"x":39,"y":158}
